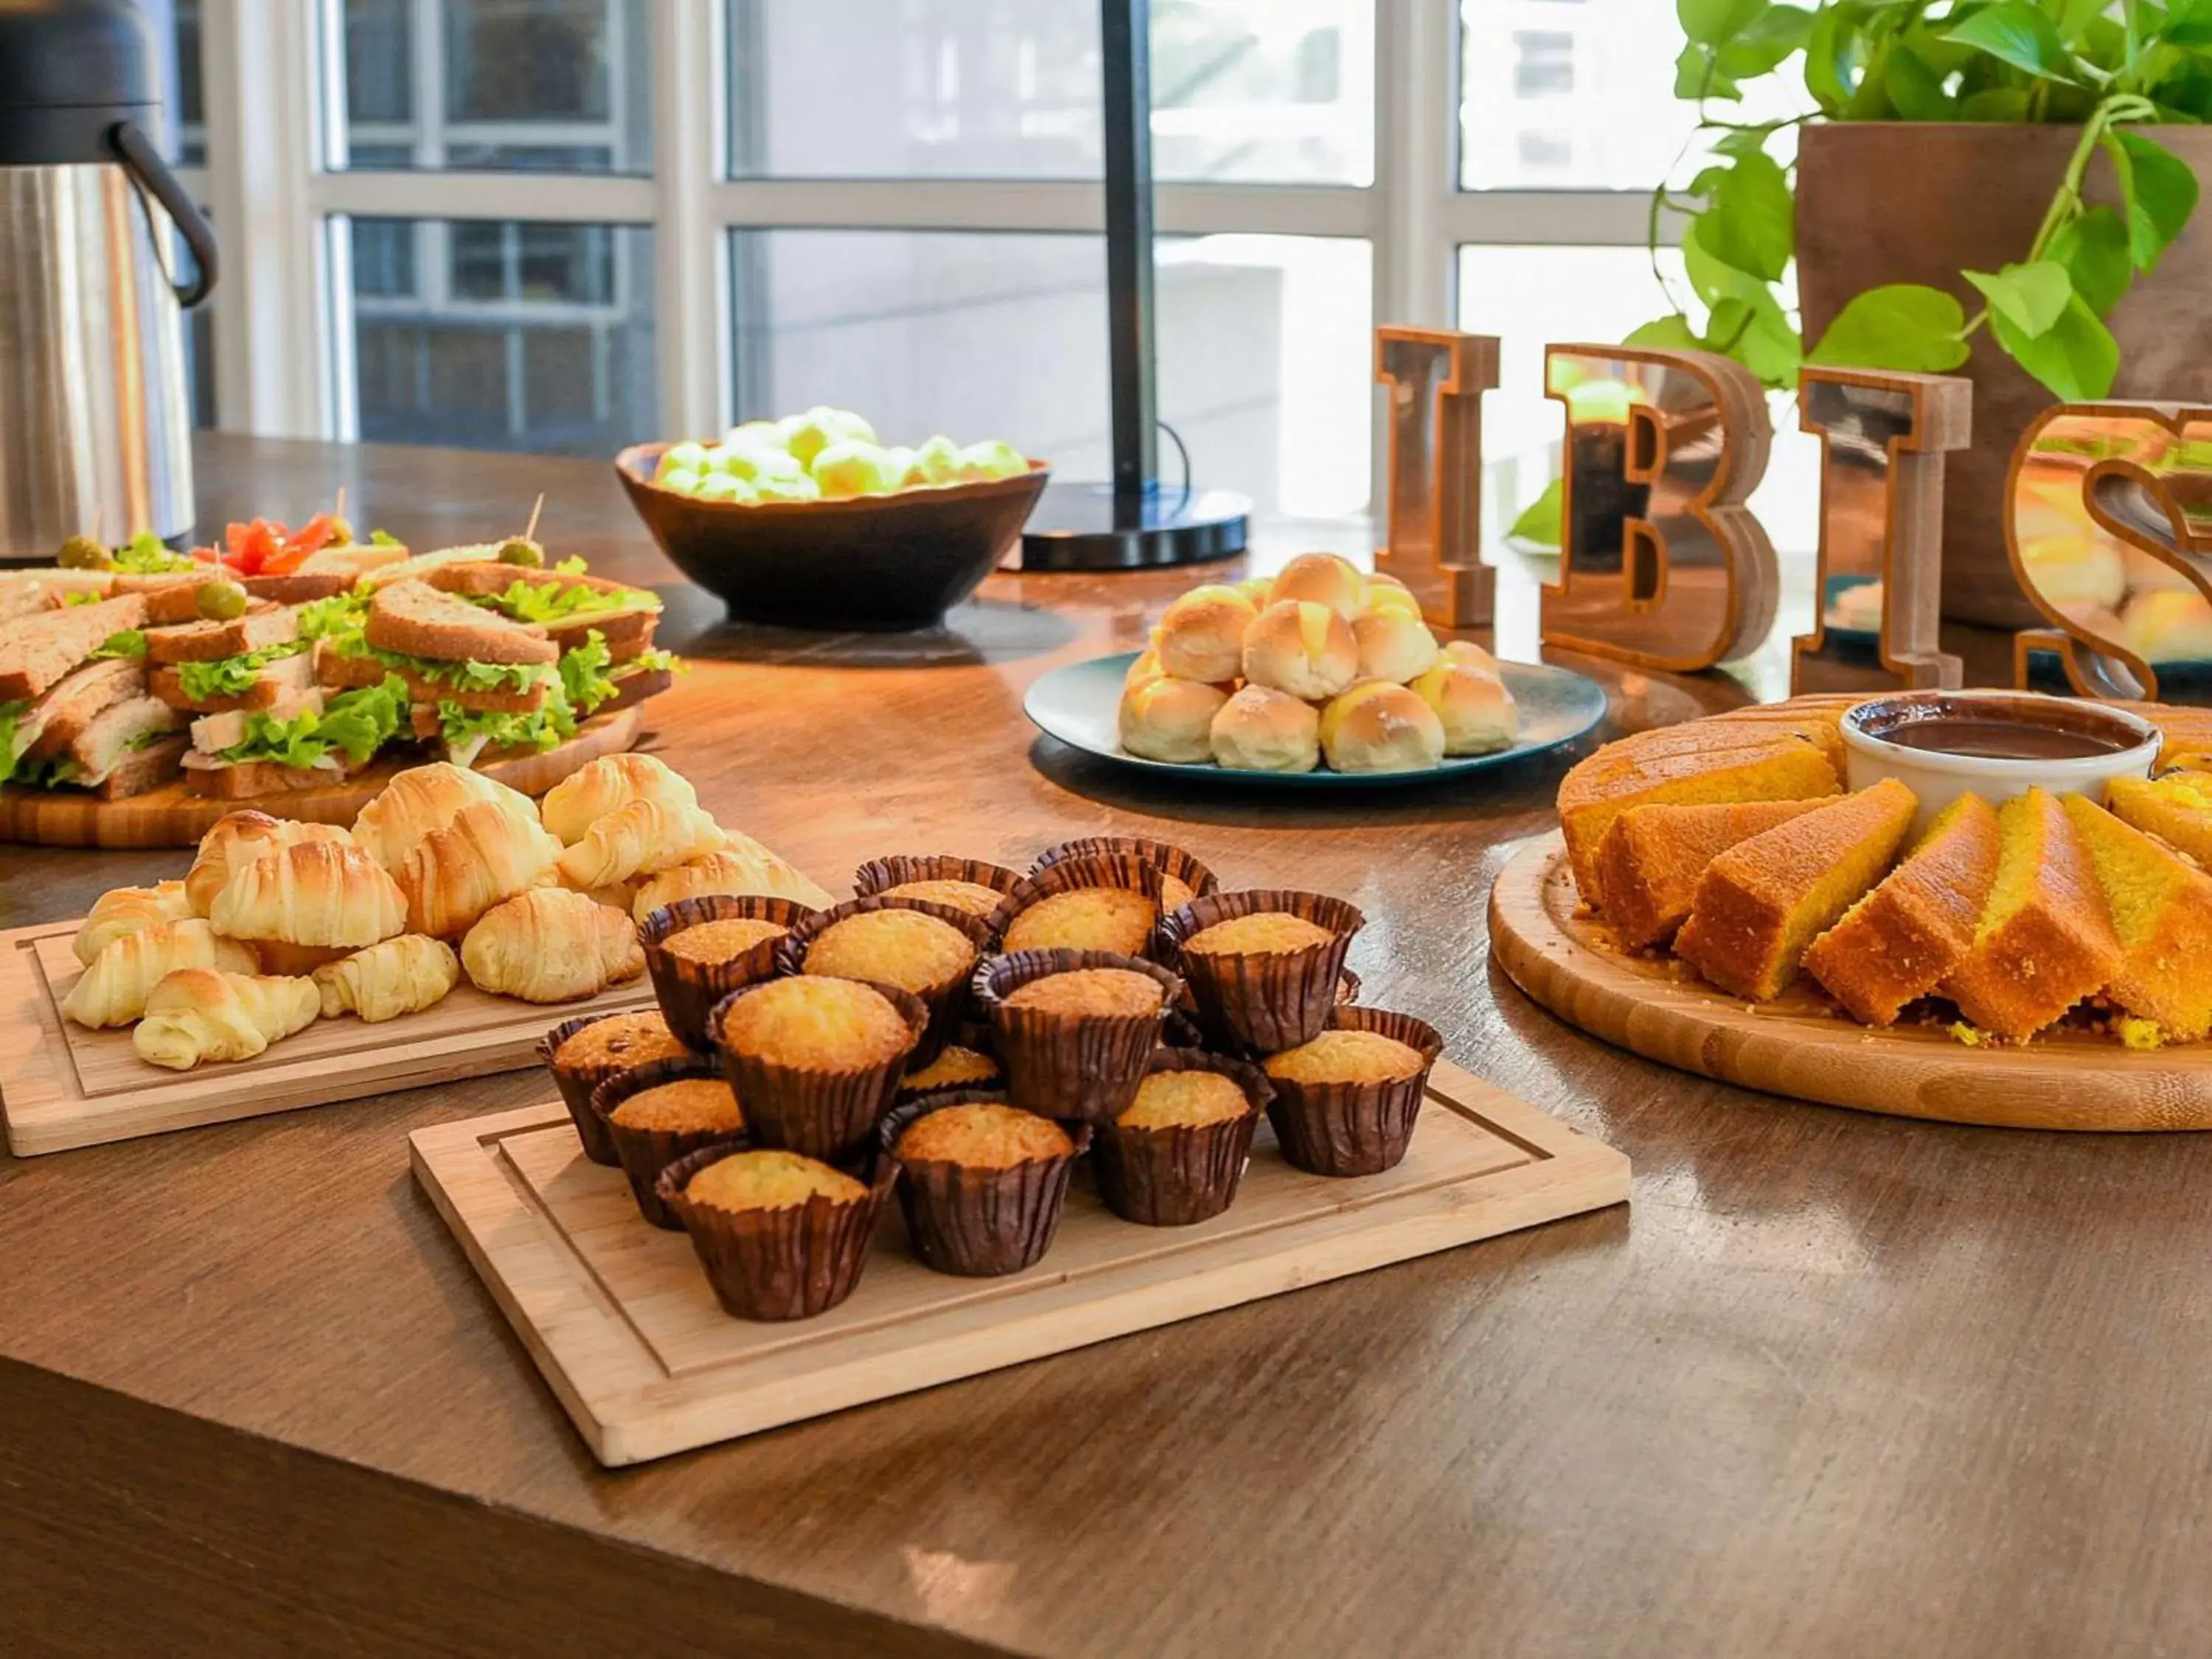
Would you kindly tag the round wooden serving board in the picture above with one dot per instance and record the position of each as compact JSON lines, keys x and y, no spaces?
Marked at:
{"x":169,"y":816}
{"x":1800,"y":1045}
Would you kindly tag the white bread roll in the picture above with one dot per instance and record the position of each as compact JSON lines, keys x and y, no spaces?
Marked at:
{"x":1170,"y":719}
{"x":1477,"y":712}
{"x":1381,"y":597}
{"x":1393,"y":645}
{"x":1147,"y":668}
{"x":1325,"y":578}
{"x":1468,"y":654}
{"x":1262,"y":730}
{"x":1377,"y":727}
{"x":1300,"y":647}
{"x":1202,"y":637}
{"x":1257,"y":589}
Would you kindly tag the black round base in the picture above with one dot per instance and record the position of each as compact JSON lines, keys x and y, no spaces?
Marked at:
{"x":1084,"y":527}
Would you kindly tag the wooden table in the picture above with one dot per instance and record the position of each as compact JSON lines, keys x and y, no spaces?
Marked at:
{"x":1833,"y":1384}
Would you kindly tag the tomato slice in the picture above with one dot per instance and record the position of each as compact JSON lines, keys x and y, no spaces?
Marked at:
{"x":317,"y":532}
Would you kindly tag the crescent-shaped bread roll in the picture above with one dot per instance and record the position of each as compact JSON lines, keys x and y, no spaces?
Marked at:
{"x":238,"y":839}
{"x":424,"y":798}
{"x":640,"y":837}
{"x":590,"y":792}
{"x":126,"y":910}
{"x":402,"y":976}
{"x":113,"y":990}
{"x":551,"y":944}
{"x":316,"y":893}
{"x":198,"y":1014}
{"x":738,"y":871}
{"x":453,"y":875}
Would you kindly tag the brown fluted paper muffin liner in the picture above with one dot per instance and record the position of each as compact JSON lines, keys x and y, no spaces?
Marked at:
{"x":869,"y":880}
{"x":688,"y":990}
{"x":1263,"y":1001}
{"x":646,"y":1153}
{"x":1164,"y":856}
{"x":1096,"y":870}
{"x":576,"y":1091}
{"x":978,"y":1223}
{"x":825,"y":1114}
{"x":1182,"y":1029}
{"x":788,"y":1263}
{"x":1177,"y":1177}
{"x":1355,"y":1128}
{"x":947,"y":1003}
{"x":1070,"y":1066}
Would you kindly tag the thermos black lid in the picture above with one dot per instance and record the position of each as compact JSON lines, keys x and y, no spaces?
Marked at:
{"x":70,"y":69}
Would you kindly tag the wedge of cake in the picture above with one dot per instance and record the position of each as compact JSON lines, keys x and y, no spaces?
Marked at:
{"x":1761,"y":903}
{"x":1649,"y":861}
{"x":2045,"y":937}
{"x":2177,"y":808}
{"x":1597,"y":790}
{"x":2162,"y":908}
{"x":1897,"y":943}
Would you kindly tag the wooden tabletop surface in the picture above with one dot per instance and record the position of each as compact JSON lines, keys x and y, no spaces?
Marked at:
{"x":1831,"y":1384}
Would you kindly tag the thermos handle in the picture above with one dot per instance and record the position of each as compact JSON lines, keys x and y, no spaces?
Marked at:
{"x":145,"y":166}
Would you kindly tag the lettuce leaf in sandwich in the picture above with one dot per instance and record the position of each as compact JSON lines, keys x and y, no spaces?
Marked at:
{"x":461,"y":676}
{"x":466,"y":735}
{"x":232,"y":677}
{"x":356,"y":723}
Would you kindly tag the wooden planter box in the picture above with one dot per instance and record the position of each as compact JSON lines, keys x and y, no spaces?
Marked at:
{"x":1903,"y":201}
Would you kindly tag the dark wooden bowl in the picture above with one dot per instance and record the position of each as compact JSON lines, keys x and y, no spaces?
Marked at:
{"x":881,"y":563}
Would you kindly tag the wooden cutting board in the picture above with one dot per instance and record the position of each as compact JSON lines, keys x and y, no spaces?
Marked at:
{"x":170,"y":816}
{"x":1802,"y":1045}
{"x":619,"y":1320}
{"x":63,"y":1086}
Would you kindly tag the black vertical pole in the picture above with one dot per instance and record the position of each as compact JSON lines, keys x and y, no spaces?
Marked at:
{"x":1126,"y":36}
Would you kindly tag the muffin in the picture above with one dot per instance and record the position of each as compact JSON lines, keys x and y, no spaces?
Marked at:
{"x":1074,"y":1028}
{"x":955,"y":1068}
{"x":985,"y":1183}
{"x":697,"y":950}
{"x":909,"y":944}
{"x":1263,"y":967}
{"x":779,"y":1235}
{"x":1183,"y":878}
{"x":1345,"y":1100}
{"x":1106,"y":902}
{"x":967,"y":884}
{"x":1175,"y":1155}
{"x":585,"y":1051}
{"x":816,"y":1061}
{"x":657,"y":1112}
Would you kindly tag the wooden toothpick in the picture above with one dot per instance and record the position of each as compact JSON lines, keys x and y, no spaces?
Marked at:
{"x":530,"y":530}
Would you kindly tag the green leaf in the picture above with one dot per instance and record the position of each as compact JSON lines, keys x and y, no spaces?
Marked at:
{"x":1668,"y":333}
{"x":1744,"y":141}
{"x":2093,"y":248}
{"x":2021,"y":35}
{"x":131,"y":642}
{"x":2076,"y":360}
{"x":1762,"y":45}
{"x":2074,"y":17}
{"x":1900,"y":326}
{"x":1831,"y":56}
{"x":2159,"y":192}
{"x":1539,"y":521}
{"x":1697,"y":75}
{"x":383,"y":538}
{"x":231,"y":677}
{"x":1914,"y":90}
{"x":357,"y":722}
{"x":2031,"y":297}
{"x":2002,"y":104}
{"x":584,"y":678}
{"x":1756,"y":333}
{"x":2188,"y":23}
{"x":1712,"y":22}
{"x":1751,"y":224}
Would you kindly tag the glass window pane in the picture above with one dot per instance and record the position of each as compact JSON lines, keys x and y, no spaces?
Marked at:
{"x":1264,"y":345}
{"x":187,"y":104}
{"x":521,"y":86}
{"x":503,"y":335}
{"x":1532,"y":297}
{"x":1579,"y":94}
{"x":1249,"y":91}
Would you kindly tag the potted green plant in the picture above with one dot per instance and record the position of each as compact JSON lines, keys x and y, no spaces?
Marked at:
{"x":1976,"y":188}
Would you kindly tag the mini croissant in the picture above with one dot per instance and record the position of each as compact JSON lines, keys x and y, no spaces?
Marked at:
{"x":316,"y":893}
{"x":424,"y":798}
{"x":591,"y":792}
{"x":402,"y":976}
{"x":637,"y":838}
{"x":455,"y":874}
{"x":238,"y":839}
{"x":198,"y":1014}
{"x":113,"y":990}
{"x":125,"y":910}
{"x":739,"y":871}
{"x":551,"y":945}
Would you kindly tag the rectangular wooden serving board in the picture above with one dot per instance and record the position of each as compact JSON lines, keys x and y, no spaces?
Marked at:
{"x":619,"y":1318}
{"x":62,"y":1085}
